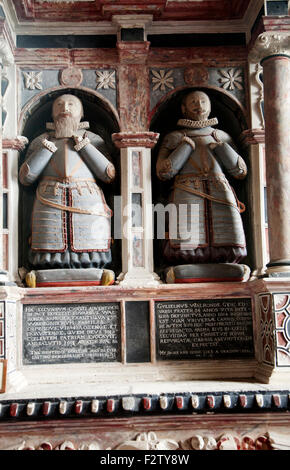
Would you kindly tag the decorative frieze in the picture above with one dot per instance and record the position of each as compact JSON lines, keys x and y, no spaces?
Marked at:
{"x":171,"y":404}
{"x":203,"y":441}
{"x":163,"y":81}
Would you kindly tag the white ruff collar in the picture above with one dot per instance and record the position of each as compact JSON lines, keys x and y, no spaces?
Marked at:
{"x":197,"y":124}
{"x":82,"y":125}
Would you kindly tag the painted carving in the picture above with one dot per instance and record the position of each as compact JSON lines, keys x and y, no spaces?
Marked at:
{"x":162,"y":79}
{"x":230,"y":441}
{"x":71,"y":222}
{"x":206,"y":225}
{"x":196,"y":74}
{"x":231,"y":79}
{"x":71,"y":76}
{"x":148,"y":441}
{"x":33,"y":80}
{"x":106,"y":79}
{"x":66,"y":445}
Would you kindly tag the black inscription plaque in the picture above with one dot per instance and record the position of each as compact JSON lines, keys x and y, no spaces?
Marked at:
{"x":204,"y":329}
{"x":62,"y":333}
{"x":137,"y":332}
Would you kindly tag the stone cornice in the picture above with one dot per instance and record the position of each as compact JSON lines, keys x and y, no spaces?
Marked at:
{"x":270,"y":43}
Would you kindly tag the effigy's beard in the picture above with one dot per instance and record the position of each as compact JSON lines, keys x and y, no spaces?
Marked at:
{"x":66,"y":126}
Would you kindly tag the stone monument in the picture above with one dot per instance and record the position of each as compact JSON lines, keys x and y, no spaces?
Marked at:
{"x":206,"y":239}
{"x":71,"y":222}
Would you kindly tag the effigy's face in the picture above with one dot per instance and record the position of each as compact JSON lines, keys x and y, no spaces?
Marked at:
{"x":67,"y":106}
{"x":197,"y":106}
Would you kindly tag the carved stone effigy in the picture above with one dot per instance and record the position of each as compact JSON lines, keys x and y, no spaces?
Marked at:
{"x":71,"y":229}
{"x":208,"y":241}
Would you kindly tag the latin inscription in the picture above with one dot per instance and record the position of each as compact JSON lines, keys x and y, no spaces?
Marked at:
{"x":204,"y":329}
{"x":71,"y":333}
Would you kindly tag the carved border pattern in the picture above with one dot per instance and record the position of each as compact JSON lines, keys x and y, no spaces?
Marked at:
{"x":282,"y":328}
{"x":150,"y":441}
{"x":266,"y":328}
{"x":108,"y":407}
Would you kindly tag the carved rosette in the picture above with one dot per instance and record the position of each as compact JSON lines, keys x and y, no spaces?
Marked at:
{"x":269,"y":44}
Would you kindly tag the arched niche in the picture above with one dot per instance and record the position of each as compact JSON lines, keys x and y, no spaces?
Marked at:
{"x":103,"y":121}
{"x":232,"y":119}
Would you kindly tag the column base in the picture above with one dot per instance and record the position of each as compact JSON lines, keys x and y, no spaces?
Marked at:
{"x":278,"y":270}
{"x":16,"y":381}
{"x":4,"y":279}
{"x":139,"y":277}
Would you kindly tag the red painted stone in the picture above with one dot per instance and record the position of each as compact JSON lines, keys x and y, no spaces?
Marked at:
{"x":46,"y":408}
{"x":210,"y":399}
{"x":78,"y":406}
{"x":14,"y":407}
{"x":179,"y":402}
{"x":243,"y":399}
{"x":110,"y":405}
{"x":147,"y":403}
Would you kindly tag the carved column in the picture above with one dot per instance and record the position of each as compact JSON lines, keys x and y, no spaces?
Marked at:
{"x":135,"y":143}
{"x":273,"y":50}
{"x":254,"y":139}
{"x":6,"y":59}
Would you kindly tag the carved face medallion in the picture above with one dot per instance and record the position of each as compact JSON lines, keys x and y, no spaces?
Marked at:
{"x":196,"y":106}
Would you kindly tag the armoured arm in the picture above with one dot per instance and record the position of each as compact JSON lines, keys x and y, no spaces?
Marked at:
{"x":173,"y":155}
{"x":40,"y":153}
{"x":96,"y":161}
{"x":228,"y":157}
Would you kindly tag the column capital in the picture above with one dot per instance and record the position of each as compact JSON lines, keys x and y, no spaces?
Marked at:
{"x":252,"y":137}
{"x":270,"y":43}
{"x":140,"y":139}
{"x":17,"y":143}
{"x":6,"y":56}
{"x":133,"y":52}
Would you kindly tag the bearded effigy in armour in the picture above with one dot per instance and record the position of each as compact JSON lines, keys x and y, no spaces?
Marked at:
{"x":209,"y":241}
{"x":71,"y":222}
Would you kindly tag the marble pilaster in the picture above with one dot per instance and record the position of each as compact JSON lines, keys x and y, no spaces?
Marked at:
{"x":136,"y":209}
